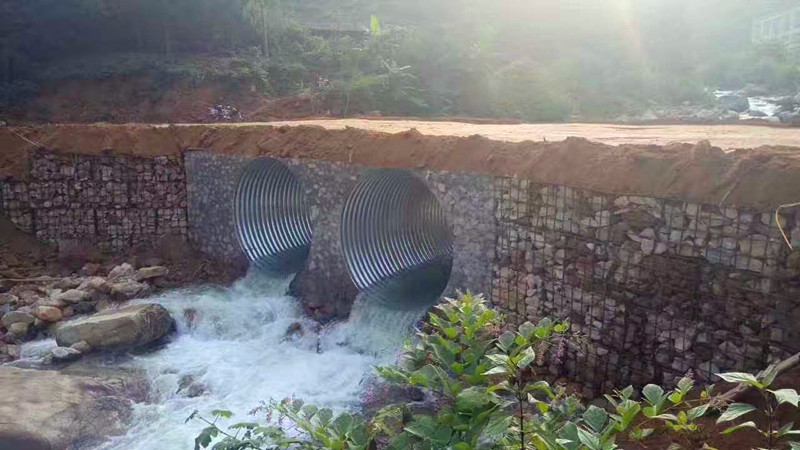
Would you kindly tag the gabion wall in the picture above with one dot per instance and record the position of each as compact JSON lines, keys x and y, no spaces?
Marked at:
{"x":113,"y":202}
{"x":658,"y":287}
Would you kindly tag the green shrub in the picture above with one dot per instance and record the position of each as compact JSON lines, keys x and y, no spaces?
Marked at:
{"x":775,"y":435}
{"x":489,"y":396}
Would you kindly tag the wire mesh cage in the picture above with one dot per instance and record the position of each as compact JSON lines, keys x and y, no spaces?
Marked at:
{"x":659,"y":287}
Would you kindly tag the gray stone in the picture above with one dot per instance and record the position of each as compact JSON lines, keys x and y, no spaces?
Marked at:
{"x":73,"y":296}
{"x":81,"y":346}
{"x":13,"y":317}
{"x":124,"y":328}
{"x":146,"y":273}
{"x":7,"y":299}
{"x":738,"y":103}
{"x":67,"y":283}
{"x":123,"y":271}
{"x":98,"y":284}
{"x":128,"y":289}
{"x":48,"y":314}
{"x":65,"y":354}
{"x":19,"y":329}
{"x":648,"y":245}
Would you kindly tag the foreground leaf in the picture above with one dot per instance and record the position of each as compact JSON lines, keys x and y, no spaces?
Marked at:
{"x":786,"y":396}
{"x":740,"y":427}
{"x":740,"y":377}
{"x":734,"y":411}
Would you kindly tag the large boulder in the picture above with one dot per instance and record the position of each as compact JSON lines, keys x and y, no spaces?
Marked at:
{"x":738,"y":103}
{"x":47,"y":409}
{"x":117,"y":329}
{"x":13,"y":317}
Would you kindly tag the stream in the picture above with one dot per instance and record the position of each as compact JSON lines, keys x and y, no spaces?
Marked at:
{"x":231,"y":345}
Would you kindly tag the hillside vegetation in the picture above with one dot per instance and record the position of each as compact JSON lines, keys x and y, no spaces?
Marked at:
{"x":532,"y":60}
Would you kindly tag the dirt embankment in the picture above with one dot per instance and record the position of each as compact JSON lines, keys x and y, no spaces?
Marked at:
{"x":150,"y":100}
{"x":761,"y":178}
{"x":22,"y":256}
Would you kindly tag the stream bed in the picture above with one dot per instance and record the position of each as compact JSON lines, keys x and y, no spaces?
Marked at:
{"x":232,"y":351}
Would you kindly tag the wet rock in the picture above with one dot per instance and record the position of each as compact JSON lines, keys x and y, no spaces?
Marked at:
{"x":81,"y":346}
{"x":738,"y":103}
{"x":48,"y":314}
{"x":13,"y":317}
{"x":67,"y":312}
{"x":294,"y":331}
{"x":65,"y":354}
{"x":129,"y":289}
{"x":124,"y":328}
{"x":146,"y":273}
{"x":8,"y":299}
{"x":123,"y":271}
{"x":83,"y":308}
{"x":12,"y":438}
{"x":19,"y":330}
{"x":14,"y":351}
{"x":72,"y":296}
{"x":48,"y":409}
{"x":189,"y":387}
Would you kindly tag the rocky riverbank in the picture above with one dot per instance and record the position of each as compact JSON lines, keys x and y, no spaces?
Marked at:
{"x":51,"y":307}
{"x":52,"y":400}
{"x":748,"y":104}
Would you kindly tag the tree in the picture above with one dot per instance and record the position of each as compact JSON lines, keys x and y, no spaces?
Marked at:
{"x":258,"y":12}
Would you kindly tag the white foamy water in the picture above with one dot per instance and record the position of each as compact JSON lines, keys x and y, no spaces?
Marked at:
{"x":232,"y":343}
{"x":766,"y":105}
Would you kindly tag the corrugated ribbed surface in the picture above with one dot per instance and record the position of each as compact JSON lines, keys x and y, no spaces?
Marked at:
{"x":273,"y":222}
{"x":396,"y":240}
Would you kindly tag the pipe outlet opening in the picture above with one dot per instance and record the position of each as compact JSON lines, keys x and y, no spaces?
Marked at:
{"x":396,"y":240}
{"x":273,"y":221}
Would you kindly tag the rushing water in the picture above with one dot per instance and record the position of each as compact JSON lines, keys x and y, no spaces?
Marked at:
{"x":766,"y":105}
{"x":232,"y":343}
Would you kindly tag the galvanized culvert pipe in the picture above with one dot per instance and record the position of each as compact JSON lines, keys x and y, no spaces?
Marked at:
{"x":273,"y":221}
{"x":396,"y":240}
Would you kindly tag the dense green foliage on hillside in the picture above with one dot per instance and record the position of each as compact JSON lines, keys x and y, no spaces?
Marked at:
{"x":527,"y":59}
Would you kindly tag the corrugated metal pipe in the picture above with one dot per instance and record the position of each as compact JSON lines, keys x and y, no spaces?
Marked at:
{"x":396,"y":240}
{"x":273,"y":221}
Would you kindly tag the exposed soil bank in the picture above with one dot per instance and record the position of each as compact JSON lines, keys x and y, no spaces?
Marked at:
{"x":760,"y":178}
{"x":22,"y":256}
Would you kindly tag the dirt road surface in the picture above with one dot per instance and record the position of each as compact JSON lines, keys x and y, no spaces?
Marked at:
{"x":724,"y":136}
